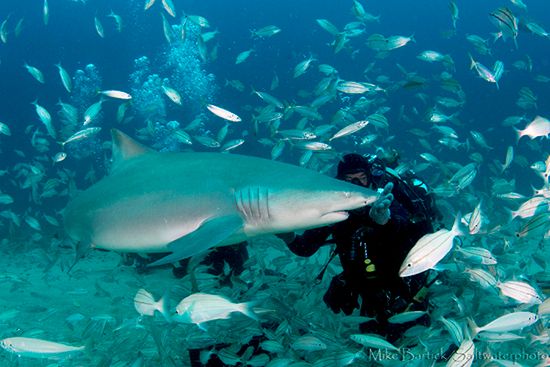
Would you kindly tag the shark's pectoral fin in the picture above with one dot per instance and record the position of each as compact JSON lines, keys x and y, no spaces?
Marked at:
{"x":209,"y":234}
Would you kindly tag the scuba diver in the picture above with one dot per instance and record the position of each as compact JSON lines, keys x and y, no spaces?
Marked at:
{"x":372,"y":245}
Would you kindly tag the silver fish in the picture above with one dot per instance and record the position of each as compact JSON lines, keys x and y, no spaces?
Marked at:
{"x":429,"y":250}
{"x":509,"y":322}
{"x":38,"y":348}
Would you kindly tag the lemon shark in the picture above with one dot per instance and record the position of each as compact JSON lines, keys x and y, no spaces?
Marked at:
{"x":186,"y":203}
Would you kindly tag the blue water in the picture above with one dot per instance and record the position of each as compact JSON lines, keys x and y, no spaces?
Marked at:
{"x":70,"y":38}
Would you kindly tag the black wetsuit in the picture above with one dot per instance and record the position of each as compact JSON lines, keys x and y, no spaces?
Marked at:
{"x":371,"y":255}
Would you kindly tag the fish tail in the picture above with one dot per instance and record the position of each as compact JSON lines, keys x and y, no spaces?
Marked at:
{"x":472,"y":327}
{"x":456,"y":225}
{"x":503,"y":167}
{"x":519,"y":134}
{"x":448,"y":61}
{"x":453,"y":117}
{"x":246,"y":309}
{"x":472,"y":61}
{"x":145,"y":299}
{"x":458,"y":303}
{"x":163,"y":306}
{"x":145,"y":304}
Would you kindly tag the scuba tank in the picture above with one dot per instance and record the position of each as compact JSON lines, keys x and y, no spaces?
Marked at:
{"x":412,"y":192}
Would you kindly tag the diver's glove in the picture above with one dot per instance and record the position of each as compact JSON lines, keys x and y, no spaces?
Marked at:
{"x":380,"y":209}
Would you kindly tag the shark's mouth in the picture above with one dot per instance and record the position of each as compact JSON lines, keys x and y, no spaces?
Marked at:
{"x":336,"y":216}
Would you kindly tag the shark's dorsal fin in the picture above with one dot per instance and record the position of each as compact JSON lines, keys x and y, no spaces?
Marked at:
{"x":124,"y":148}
